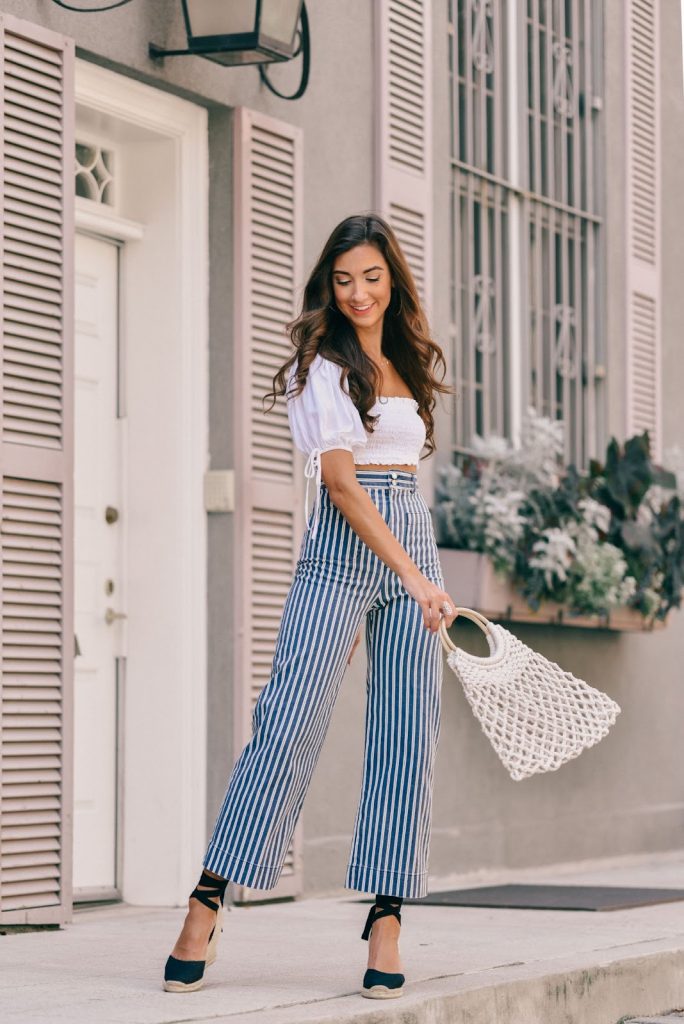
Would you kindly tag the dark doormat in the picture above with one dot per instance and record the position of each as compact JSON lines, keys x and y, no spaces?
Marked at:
{"x":551,"y":897}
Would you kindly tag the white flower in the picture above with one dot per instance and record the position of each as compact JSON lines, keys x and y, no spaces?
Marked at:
{"x":497,"y":523}
{"x":535,"y":462}
{"x":602,"y":581}
{"x":543,"y":439}
{"x":493,"y":447}
{"x":553,"y":553}
{"x":594,"y":513}
{"x":656,"y":496}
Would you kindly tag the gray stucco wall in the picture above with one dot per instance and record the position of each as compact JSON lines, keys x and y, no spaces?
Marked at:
{"x":626,"y":795}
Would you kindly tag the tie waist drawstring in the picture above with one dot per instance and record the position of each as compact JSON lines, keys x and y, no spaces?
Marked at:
{"x":312,"y":470}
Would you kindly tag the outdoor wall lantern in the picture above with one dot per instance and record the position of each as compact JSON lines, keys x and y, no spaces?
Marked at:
{"x":238,"y":32}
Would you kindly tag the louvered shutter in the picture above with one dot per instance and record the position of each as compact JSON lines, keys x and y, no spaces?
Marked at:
{"x":37,"y":469}
{"x":269,"y":515}
{"x":643,"y":213}
{"x":403,"y":193}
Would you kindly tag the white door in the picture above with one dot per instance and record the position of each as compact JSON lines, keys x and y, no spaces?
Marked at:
{"x":98,"y":543}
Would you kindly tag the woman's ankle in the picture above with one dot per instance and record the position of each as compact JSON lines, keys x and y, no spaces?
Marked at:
{"x":211,"y":881}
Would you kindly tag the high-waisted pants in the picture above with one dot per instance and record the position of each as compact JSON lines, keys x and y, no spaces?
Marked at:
{"x":338,"y":582}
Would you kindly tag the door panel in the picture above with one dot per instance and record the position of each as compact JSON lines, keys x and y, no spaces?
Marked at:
{"x":98,"y":561}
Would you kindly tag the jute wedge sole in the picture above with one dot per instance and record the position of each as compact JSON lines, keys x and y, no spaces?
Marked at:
{"x":382,"y":992}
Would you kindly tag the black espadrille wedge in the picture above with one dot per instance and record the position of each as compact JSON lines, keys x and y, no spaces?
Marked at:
{"x":188,"y":975}
{"x":382,"y":984}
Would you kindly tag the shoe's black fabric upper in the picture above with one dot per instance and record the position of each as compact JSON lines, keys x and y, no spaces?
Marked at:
{"x":373,"y":977}
{"x":185,"y":971}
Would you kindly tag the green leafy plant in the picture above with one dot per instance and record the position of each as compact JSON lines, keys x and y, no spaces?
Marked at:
{"x":594,"y":541}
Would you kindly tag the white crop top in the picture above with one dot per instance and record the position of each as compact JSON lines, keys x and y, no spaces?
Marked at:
{"x":323,"y":416}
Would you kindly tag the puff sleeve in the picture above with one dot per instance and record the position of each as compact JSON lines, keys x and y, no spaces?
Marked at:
{"x":322,"y":417}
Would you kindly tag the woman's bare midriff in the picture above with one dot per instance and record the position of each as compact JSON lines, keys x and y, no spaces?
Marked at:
{"x":409,"y":469}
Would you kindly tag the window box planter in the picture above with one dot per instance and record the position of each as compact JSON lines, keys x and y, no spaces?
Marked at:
{"x":470,"y":578}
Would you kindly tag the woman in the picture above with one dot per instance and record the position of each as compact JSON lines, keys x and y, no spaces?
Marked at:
{"x":360,"y":394}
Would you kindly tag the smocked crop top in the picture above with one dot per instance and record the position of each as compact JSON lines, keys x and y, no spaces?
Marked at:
{"x":323,"y":416}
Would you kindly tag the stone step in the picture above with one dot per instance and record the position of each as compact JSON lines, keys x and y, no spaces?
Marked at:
{"x":668,"y":1018}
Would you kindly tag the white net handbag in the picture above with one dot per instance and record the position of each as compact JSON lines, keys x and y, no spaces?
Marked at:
{"x":535,"y":715}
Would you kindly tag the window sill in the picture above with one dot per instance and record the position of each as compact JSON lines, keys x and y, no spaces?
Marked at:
{"x":472,"y":582}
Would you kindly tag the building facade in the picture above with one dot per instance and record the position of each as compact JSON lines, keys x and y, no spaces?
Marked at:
{"x":159,"y":222}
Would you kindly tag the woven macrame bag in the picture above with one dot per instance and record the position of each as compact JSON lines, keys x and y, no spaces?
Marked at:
{"x":535,"y":715}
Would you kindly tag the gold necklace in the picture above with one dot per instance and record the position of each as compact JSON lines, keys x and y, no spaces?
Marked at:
{"x":381,"y":398}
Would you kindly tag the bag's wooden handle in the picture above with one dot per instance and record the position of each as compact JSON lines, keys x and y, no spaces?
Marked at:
{"x":469,"y":613}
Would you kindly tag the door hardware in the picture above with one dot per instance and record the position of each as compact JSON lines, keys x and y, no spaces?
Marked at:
{"x":112,"y":616}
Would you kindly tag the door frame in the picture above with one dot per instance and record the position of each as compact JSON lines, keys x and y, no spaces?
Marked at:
{"x":164,"y":705}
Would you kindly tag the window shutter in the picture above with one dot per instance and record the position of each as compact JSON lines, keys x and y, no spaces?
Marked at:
{"x":403,"y":193}
{"x":643,"y":213}
{"x":269,"y":518}
{"x":36,"y":459}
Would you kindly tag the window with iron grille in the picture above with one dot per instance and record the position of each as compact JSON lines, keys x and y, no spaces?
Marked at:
{"x":526,"y":227}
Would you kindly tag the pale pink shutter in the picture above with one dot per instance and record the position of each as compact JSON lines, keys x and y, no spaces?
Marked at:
{"x":403,"y":192}
{"x":36,"y":459}
{"x":643,"y":404}
{"x":269,"y":518}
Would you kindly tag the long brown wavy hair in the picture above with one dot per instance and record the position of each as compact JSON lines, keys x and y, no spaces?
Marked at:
{"x":322,"y":328}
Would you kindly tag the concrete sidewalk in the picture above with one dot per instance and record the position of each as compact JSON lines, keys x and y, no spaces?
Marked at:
{"x":302,"y":962}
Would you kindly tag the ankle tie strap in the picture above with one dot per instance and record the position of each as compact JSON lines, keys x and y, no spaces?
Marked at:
{"x":215,"y":887}
{"x":384,"y":906}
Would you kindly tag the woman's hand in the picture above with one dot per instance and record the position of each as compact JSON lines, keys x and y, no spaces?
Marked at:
{"x":430,"y":598}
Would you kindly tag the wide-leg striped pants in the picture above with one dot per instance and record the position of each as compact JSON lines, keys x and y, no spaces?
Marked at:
{"x":338,"y":582}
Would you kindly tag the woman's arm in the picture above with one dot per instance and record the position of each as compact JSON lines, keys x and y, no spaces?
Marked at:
{"x":358,"y":508}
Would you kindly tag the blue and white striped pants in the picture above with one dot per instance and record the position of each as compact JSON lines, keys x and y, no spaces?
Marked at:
{"x":338,"y":582}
